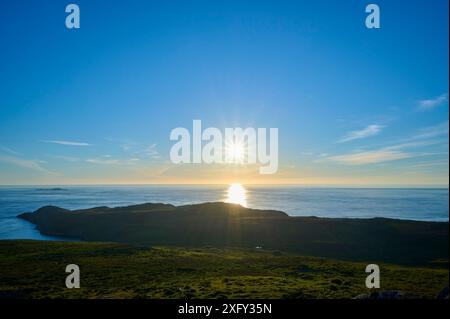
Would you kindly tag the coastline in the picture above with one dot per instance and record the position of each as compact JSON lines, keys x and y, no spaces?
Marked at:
{"x":211,"y":251}
{"x":230,"y":225}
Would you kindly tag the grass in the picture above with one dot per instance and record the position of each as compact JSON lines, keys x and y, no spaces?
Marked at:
{"x":36,"y":269}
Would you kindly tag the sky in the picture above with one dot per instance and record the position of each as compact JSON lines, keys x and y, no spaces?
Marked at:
{"x":96,"y":105}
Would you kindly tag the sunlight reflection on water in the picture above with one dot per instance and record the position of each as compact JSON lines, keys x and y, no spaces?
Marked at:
{"x":236,"y":194}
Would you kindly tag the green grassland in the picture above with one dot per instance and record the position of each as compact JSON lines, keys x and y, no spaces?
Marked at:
{"x":36,"y":269}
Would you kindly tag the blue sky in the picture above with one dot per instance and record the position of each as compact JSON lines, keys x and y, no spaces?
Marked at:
{"x":354,"y":106}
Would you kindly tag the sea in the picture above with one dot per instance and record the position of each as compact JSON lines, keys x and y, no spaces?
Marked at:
{"x":424,"y":204}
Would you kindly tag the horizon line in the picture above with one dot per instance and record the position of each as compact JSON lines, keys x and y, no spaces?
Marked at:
{"x":429,"y":186}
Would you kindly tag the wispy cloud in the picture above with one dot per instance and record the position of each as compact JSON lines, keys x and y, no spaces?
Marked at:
{"x":127,"y":146}
{"x":431,"y":164}
{"x":106,"y":160}
{"x":70,"y":143}
{"x":66,"y":158}
{"x":369,"y":157}
{"x":415,"y":144}
{"x":9,"y":150}
{"x":152,"y":152}
{"x":429,"y":104}
{"x":25,"y":163}
{"x":368,"y":131}
{"x":124,"y":144}
{"x":103,"y":161}
{"x":406,"y":148}
{"x":136,"y":149}
{"x":149,"y":151}
{"x":432,"y":131}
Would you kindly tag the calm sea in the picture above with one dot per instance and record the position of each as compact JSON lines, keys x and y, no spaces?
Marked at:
{"x":402,"y":203}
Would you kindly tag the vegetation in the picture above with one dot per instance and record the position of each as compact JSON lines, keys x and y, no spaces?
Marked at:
{"x":36,"y":269}
{"x":218,"y":250}
{"x":227,"y":225}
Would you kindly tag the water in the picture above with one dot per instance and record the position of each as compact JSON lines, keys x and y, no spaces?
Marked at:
{"x":402,"y":203}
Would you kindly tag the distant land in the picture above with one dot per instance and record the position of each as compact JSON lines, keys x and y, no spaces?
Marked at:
{"x":229,"y":225}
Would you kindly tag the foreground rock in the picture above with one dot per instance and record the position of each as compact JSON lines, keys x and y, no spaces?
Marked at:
{"x":220,"y":225}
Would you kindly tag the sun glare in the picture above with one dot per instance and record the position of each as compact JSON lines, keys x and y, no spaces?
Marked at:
{"x":235,"y":152}
{"x":237,"y":194}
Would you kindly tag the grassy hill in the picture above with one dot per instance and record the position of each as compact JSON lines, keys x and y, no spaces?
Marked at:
{"x":228,"y":225}
{"x":36,"y":269}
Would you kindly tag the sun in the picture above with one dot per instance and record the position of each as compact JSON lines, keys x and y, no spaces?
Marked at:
{"x":235,"y":152}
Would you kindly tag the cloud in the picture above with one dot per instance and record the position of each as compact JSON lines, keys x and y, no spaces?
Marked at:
{"x":431,"y":164}
{"x":103,"y":161}
{"x":368,"y":131}
{"x":9,"y":150}
{"x":424,"y":137}
{"x":149,"y":151}
{"x":432,"y":131}
{"x":370,"y":157}
{"x":70,"y":143}
{"x":136,"y":149}
{"x":127,"y":146}
{"x":415,"y":144}
{"x":107,"y":160}
{"x":425,"y":105}
{"x":152,"y":152}
{"x":67,"y":158}
{"x":25,"y":163}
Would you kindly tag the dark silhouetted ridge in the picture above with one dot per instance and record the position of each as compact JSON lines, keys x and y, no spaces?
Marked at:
{"x":230,"y":225}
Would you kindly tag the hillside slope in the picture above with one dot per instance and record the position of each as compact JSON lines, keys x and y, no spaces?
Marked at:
{"x":36,"y":269}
